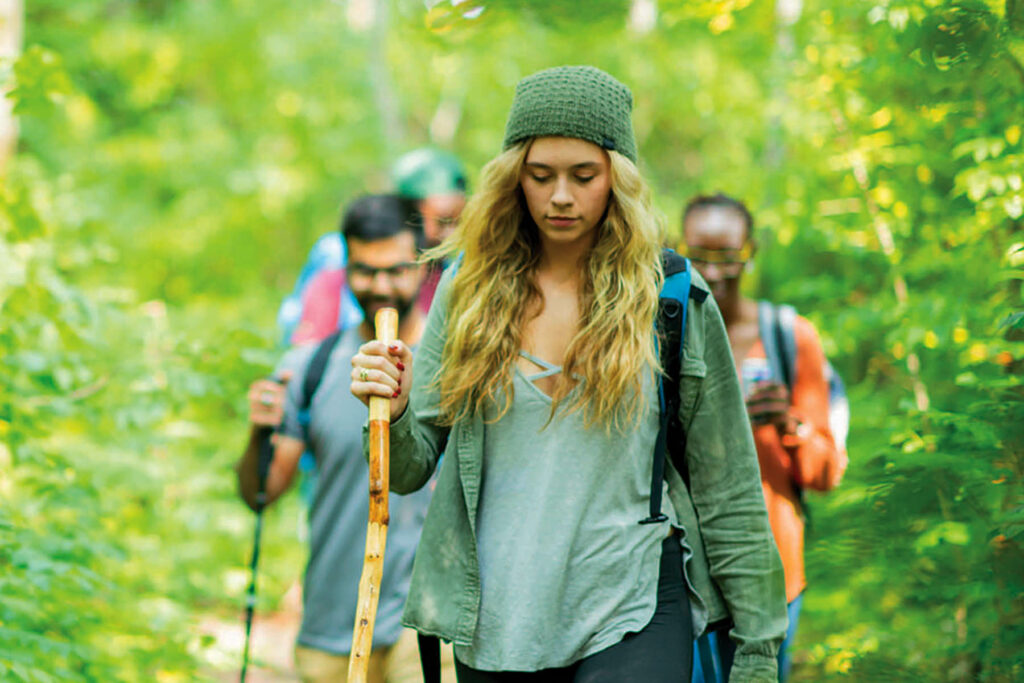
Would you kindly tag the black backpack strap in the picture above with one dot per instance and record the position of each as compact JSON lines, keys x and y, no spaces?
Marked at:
{"x":670,"y":340}
{"x":315,"y":374}
{"x":430,"y":657}
{"x":674,"y":263}
{"x":671,"y":327}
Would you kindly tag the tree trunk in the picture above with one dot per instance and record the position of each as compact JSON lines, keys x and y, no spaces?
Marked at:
{"x":787,"y":13}
{"x":11,"y":28}
{"x":382,"y":83}
{"x":445,"y":123}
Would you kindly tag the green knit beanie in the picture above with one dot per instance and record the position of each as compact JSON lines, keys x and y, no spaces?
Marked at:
{"x":575,"y":102}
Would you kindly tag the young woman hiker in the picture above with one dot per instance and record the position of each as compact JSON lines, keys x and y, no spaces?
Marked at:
{"x":536,"y":377}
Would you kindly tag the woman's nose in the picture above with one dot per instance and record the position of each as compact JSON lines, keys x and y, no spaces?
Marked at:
{"x":562,"y":196}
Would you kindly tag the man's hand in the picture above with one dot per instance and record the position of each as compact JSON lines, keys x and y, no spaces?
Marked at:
{"x":266,"y":410}
{"x":266,"y":401}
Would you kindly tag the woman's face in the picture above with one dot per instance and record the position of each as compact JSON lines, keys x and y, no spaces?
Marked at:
{"x":566,"y":182}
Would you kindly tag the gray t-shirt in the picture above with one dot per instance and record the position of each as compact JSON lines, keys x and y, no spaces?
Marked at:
{"x":557,"y":534}
{"x":338,"y":515}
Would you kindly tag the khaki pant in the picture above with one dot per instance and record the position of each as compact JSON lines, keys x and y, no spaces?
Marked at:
{"x":399,"y":663}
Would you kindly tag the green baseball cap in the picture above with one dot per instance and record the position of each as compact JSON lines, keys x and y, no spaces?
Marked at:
{"x":426,"y":172}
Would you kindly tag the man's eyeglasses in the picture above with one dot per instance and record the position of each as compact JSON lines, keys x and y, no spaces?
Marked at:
{"x":362,"y":271}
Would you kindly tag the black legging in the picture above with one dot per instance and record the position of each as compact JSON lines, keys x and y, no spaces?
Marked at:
{"x":660,"y":653}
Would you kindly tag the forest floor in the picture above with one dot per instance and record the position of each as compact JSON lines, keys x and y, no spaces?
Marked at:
{"x":271,"y":647}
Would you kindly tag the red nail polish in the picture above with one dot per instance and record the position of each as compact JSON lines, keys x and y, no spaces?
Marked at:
{"x":395,"y":395}
{"x":394,"y":348}
{"x":400,"y":365}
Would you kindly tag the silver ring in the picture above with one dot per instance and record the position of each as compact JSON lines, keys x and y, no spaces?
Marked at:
{"x":267,"y":398}
{"x":362,"y":374}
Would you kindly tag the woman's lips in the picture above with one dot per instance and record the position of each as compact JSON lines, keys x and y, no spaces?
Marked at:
{"x":561,"y":221}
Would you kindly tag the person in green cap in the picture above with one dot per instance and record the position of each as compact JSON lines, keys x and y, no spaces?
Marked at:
{"x":436,"y":181}
{"x":537,"y":376}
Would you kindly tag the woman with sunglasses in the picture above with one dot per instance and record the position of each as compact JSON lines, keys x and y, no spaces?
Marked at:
{"x":795,"y":444}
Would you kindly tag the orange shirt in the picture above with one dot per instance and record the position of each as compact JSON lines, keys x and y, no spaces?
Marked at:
{"x":810,"y":459}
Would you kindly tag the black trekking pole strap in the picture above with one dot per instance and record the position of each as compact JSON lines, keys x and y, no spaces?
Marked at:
{"x":262,"y":471}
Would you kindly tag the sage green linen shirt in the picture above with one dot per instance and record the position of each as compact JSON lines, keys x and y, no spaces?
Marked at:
{"x":734,"y":567}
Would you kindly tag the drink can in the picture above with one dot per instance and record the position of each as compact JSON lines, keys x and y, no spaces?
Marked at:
{"x":753,"y":371}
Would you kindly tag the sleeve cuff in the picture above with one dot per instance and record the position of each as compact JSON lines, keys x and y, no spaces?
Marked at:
{"x":754,"y":668}
{"x":292,"y":429}
{"x":398,"y":429}
{"x":401,"y":428}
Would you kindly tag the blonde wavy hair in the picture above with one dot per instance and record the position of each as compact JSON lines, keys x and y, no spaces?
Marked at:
{"x":494,"y":289}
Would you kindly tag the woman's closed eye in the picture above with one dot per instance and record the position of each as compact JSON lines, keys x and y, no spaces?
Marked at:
{"x":545,"y":178}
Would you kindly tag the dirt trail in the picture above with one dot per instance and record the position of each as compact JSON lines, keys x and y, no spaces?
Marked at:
{"x":271,"y":646}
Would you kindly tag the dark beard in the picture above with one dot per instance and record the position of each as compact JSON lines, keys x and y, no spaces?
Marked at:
{"x":373,"y":303}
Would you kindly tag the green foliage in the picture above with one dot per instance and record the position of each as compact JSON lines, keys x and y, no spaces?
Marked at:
{"x":176,"y":160}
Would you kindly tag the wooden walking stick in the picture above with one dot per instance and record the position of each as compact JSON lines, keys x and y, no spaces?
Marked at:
{"x":386,"y":323}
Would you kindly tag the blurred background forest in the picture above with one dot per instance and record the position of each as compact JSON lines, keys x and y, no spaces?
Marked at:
{"x":175,"y":160}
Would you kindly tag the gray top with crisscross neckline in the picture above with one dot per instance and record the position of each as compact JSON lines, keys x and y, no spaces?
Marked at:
{"x":557,"y":533}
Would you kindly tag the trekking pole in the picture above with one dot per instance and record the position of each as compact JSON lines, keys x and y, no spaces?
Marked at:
{"x":262,"y":470}
{"x":386,"y":323}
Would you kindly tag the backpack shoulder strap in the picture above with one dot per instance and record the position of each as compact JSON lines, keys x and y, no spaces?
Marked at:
{"x":785,"y":321}
{"x":315,"y":374}
{"x":776,"y":325}
{"x":675,"y":294}
{"x":767,"y":328}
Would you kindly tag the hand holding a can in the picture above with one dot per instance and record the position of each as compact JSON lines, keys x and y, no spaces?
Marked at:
{"x":767,"y":399}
